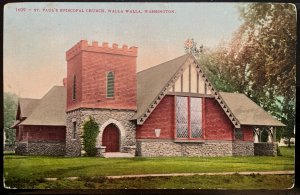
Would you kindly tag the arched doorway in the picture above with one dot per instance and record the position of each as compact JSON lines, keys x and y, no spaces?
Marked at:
{"x":111,"y":138}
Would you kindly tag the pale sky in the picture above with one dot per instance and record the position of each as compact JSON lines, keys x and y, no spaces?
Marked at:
{"x":35,"y":41}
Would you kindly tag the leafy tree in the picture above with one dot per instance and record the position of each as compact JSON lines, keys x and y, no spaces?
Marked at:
{"x":90,"y":133}
{"x":10,"y":109}
{"x":270,"y":29}
{"x":289,"y":120}
{"x":260,"y":60}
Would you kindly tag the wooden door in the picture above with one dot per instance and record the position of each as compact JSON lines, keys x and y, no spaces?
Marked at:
{"x":111,"y":138}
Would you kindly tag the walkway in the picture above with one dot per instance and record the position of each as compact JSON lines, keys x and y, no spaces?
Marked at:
{"x":191,"y":174}
{"x":117,"y":155}
{"x":188,"y":174}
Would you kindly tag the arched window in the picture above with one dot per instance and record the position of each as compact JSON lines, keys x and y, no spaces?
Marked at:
{"x":110,"y":84}
{"x":74,"y":88}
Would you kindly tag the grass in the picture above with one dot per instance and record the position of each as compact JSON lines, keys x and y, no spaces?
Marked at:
{"x":29,"y":171}
{"x":234,"y":181}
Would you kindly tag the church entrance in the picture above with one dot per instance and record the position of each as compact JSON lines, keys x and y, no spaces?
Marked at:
{"x":111,"y":138}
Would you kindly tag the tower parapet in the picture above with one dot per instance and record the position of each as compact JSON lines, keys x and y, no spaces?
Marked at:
{"x":83,"y":45}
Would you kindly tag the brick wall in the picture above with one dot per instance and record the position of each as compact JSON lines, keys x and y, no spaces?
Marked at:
{"x":93,"y":65}
{"x":42,"y":133}
{"x":17,"y":133}
{"x":161,"y":118}
{"x":248,"y":133}
{"x":74,"y":68}
{"x":217,"y":124}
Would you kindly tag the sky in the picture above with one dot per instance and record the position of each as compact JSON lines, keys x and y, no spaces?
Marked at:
{"x":37,"y":35}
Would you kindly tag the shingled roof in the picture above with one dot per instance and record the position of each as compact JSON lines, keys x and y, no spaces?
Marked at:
{"x":27,"y":105}
{"x":25,"y":108}
{"x":151,"y":81}
{"x":248,"y":112}
{"x":50,"y":109}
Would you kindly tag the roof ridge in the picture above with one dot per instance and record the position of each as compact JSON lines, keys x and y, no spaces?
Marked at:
{"x":29,"y":98}
{"x":58,"y":86}
{"x":162,"y":63}
{"x":231,"y":92}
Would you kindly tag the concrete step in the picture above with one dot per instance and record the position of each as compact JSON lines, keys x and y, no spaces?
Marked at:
{"x":117,"y":155}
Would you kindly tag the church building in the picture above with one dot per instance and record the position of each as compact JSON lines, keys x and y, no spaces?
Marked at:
{"x":171,"y":109}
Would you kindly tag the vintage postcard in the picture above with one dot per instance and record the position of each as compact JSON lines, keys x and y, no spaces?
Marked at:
{"x":149,"y":95}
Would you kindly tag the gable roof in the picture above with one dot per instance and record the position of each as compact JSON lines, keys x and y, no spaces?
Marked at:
{"x":153,"y":83}
{"x":150,"y":82}
{"x":152,"y":86}
{"x":27,"y":105}
{"x":50,"y":109}
{"x":248,"y":112}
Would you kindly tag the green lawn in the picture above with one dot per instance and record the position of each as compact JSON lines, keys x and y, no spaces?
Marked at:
{"x":234,"y":181}
{"x":27,"y":171}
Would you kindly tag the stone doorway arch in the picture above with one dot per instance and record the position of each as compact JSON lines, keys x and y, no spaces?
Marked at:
{"x":120,"y":128}
{"x":111,"y":138}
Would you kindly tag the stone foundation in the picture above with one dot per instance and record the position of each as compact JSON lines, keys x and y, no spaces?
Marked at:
{"x":265,"y":149}
{"x":129,"y":149}
{"x":21,"y":148}
{"x":242,"y":148}
{"x":40,"y":148}
{"x":104,"y":117}
{"x":100,"y":151}
{"x":156,"y":148}
{"x":9,"y":148}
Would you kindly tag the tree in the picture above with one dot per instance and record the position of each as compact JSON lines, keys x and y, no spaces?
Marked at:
{"x":289,"y":120}
{"x":271,"y":31}
{"x":90,"y":133}
{"x":10,"y":109}
{"x":260,"y":60}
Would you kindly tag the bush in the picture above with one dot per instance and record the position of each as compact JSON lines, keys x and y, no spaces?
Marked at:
{"x":278,"y":152}
{"x":90,"y":133}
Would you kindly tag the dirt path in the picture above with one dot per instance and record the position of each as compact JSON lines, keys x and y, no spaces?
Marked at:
{"x":187,"y":174}
{"x":191,"y":174}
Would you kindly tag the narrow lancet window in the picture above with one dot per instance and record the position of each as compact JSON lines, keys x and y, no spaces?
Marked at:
{"x":110,"y":85}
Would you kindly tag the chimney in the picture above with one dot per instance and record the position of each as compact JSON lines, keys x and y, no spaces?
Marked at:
{"x":65,"y":82}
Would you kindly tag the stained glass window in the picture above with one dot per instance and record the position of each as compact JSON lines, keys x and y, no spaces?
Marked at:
{"x":196,"y":117}
{"x":188,"y":117}
{"x":182,"y":117}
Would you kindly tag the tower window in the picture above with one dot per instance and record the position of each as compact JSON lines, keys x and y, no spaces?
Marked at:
{"x":74,"y":130}
{"x":74,"y":88}
{"x":110,"y":85}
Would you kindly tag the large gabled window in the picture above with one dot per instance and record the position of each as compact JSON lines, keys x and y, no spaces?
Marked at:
{"x":188,"y":117}
{"x":110,"y":84}
{"x":74,"y":88}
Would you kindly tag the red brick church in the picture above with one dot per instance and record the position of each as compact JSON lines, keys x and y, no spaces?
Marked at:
{"x":171,"y":109}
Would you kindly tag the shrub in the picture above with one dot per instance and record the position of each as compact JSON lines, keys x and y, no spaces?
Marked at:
{"x":278,"y":152}
{"x":90,"y":133}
